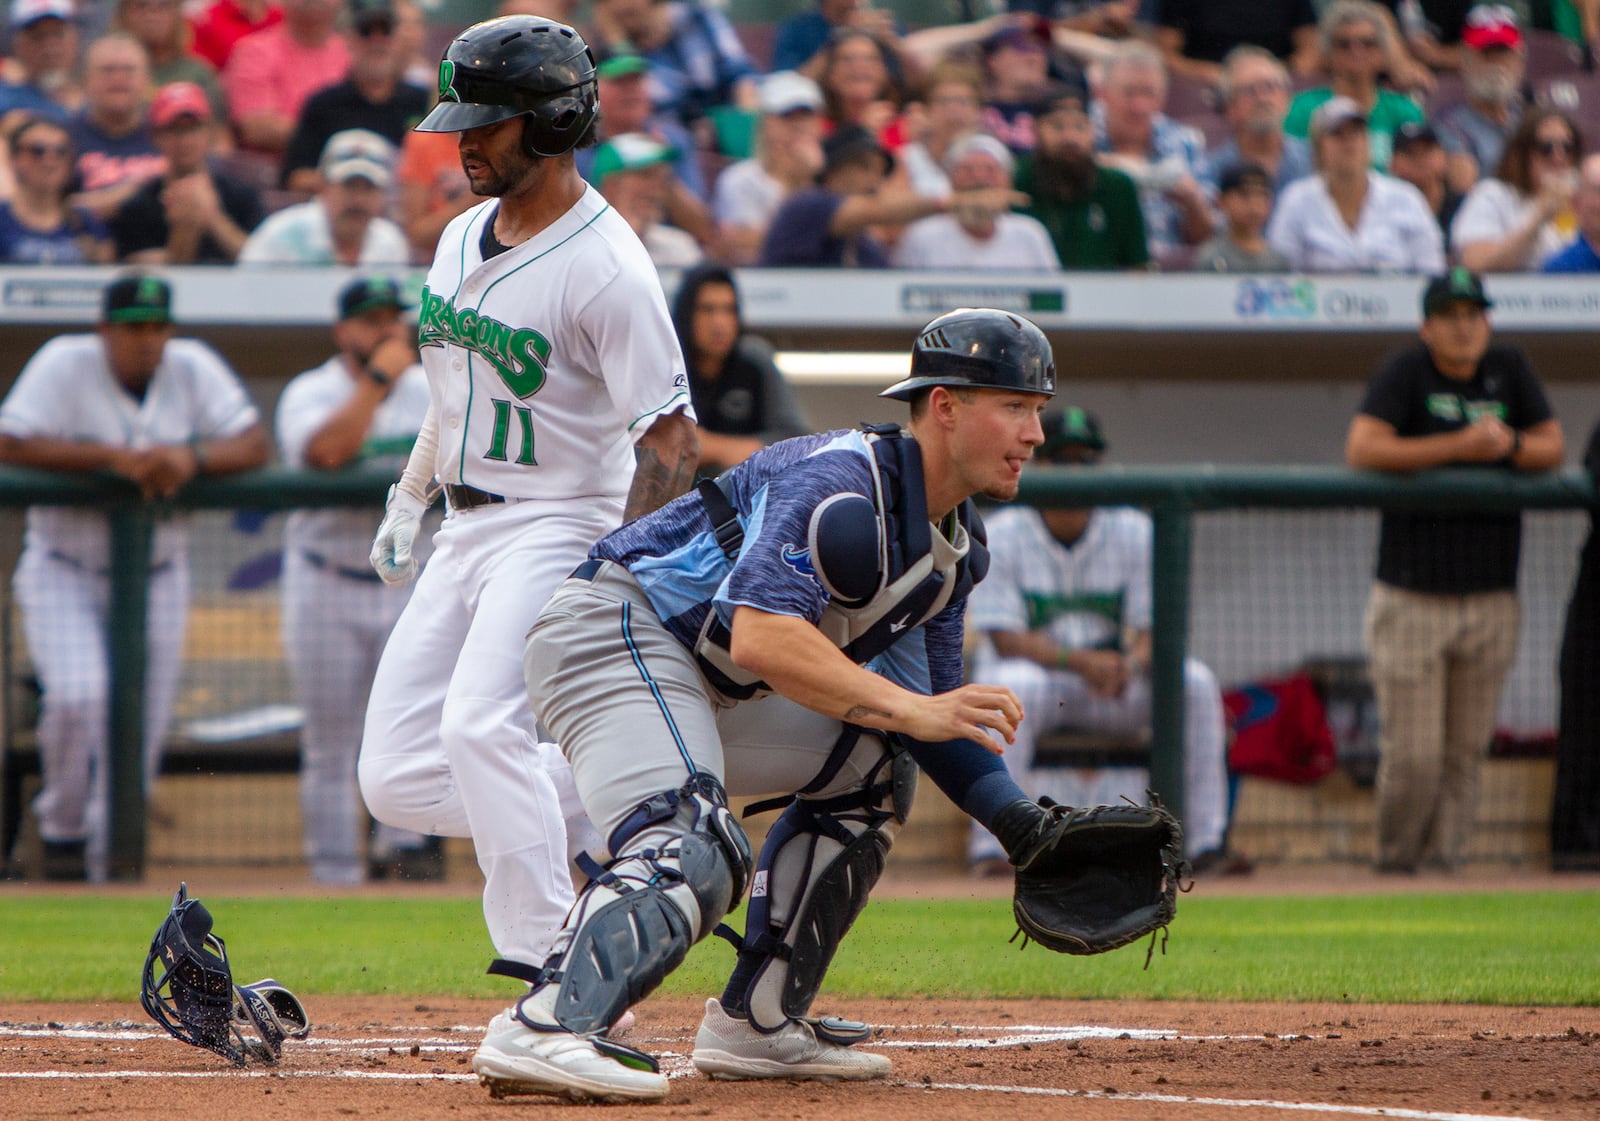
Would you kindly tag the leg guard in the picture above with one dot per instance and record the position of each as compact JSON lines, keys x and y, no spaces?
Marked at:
{"x":682,"y":864}
{"x":817,"y":867}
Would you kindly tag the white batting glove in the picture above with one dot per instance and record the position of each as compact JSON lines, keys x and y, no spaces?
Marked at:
{"x":391,"y":548}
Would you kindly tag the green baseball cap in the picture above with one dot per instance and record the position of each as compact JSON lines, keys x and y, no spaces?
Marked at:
{"x":138,"y":298}
{"x":632,"y":151}
{"x":1070,"y":427}
{"x":368,"y":293}
{"x":622,"y":66}
{"x":1458,"y":285}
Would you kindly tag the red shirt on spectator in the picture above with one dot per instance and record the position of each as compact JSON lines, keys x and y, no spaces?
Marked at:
{"x":223,"y":24}
{"x":270,"y":72}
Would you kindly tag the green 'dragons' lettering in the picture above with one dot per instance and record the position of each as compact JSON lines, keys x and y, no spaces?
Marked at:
{"x":518,"y":355}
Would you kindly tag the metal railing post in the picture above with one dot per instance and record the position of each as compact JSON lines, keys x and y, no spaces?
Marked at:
{"x":125,"y":634}
{"x":1169,"y":646}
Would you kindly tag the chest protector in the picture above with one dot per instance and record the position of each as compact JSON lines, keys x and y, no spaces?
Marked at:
{"x":884,"y":567}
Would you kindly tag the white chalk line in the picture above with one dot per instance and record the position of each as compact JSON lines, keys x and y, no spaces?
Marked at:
{"x":676,"y":1066}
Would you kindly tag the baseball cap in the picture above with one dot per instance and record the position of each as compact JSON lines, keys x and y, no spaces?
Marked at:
{"x":622,"y":66}
{"x":1034,"y":32}
{"x":25,"y":12}
{"x":849,"y":143}
{"x":1062,"y":95}
{"x":138,"y":298}
{"x":1334,"y":113}
{"x":1070,"y":427}
{"x":1459,"y":285}
{"x":179,"y":99}
{"x":632,"y":151}
{"x":1237,"y":176}
{"x":370,"y":13}
{"x":785,"y":91}
{"x":367,"y":293}
{"x":357,"y":153}
{"x":1414,"y":132}
{"x":981,"y":142}
{"x":1491,"y":25}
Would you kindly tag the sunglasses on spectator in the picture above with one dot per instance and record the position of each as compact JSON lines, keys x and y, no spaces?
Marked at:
{"x":40,"y":151}
{"x":1261,"y":88}
{"x":1555,"y":147}
{"x":1363,"y":42}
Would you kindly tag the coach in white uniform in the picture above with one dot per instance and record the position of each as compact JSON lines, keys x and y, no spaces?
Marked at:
{"x":1065,"y":611}
{"x":136,"y":402}
{"x":337,"y":612}
{"x":552,"y":368}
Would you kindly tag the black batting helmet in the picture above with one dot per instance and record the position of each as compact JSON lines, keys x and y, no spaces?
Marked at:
{"x":518,"y":66}
{"x":982,"y":348}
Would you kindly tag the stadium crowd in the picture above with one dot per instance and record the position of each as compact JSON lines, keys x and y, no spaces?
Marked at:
{"x":1231,"y":135}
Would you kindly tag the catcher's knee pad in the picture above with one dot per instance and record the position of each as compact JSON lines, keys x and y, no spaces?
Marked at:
{"x":818,"y":864}
{"x":682,"y":864}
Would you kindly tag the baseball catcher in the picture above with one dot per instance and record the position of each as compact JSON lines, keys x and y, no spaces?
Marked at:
{"x":1091,"y":880}
{"x":193,"y":995}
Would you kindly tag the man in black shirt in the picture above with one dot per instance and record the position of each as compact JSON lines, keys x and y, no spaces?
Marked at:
{"x":1441,"y":624}
{"x":193,"y":214}
{"x":374,"y":95}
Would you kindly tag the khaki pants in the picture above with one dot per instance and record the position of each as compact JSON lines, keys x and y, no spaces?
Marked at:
{"x":1438,"y":663}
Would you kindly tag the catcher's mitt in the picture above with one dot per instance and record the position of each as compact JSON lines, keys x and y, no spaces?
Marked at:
{"x":1090,"y":880}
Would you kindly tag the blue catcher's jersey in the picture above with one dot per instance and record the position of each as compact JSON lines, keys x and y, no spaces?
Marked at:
{"x":834,"y":531}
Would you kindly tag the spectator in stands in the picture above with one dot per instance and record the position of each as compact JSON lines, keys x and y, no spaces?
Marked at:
{"x":433,"y":188}
{"x":132,"y":401}
{"x":115,"y":152}
{"x":344,"y":224}
{"x":1091,"y":212}
{"x":740,"y":396}
{"x":979,"y":238}
{"x":44,"y":56}
{"x":1016,"y":69}
{"x":858,"y":89}
{"x":271,"y":73}
{"x":1254,"y":87}
{"x":1195,"y":36}
{"x":952,"y":105}
{"x":1583,"y":255}
{"x":1514,"y":221}
{"x":219,"y":27}
{"x":633,"y":171}
{"x":337,"y":612}
{"x":161,"y":30}
{"x":373,"y":95}
{"x":828,"y":224}
{"x":38,"y":223}
{"x":698,"y":61}
{"x":1348,"y":217}
{"x":1474,"y":131}
{"x":788,"y":156}
{"x":1108,"y":19}
{"x":1064,"y":620}
{"x":1431,"y":30}
{"x":1245,"y":197}
{"x":1441,"y":623}
{"x":1355,"y":39}
{"x":1419,"y":159}
{"x":800,"y":41}
{"x":1162,"y":156}
{"x":192,"y":214}
{"x":1575,"y":812}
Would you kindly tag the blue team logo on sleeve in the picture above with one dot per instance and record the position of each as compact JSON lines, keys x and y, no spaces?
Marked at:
{"x":799,"y":559}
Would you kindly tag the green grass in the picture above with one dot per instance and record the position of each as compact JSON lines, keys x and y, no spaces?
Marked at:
{"x":1509,"y":948}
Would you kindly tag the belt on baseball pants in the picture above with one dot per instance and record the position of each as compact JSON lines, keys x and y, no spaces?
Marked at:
{"x":317,"y":560}
{"x":588,"y":570}
{"x":463,"y":497}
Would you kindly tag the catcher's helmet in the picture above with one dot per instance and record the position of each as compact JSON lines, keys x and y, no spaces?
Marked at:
{"x":518,"y":66}
{"x":981,"y":348}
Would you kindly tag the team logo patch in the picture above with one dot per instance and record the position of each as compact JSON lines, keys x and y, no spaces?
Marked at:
{"x":758,"y":886}
{"x":800,"y":560}
{"x":447,"y":81}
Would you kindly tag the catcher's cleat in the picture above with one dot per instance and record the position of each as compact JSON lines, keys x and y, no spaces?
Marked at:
{"x":513,"y":1059}
{"x":728,"y":1047}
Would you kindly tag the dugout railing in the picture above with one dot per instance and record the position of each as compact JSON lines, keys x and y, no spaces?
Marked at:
{"x":1178,"y":499}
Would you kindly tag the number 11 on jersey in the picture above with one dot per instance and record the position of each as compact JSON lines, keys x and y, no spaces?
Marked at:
{"x":502,"y":433}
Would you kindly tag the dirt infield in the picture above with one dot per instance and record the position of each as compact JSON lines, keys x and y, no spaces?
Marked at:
{"x":953,"y":1060}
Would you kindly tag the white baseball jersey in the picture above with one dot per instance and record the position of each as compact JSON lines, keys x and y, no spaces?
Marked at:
{"x":68,"y":392}
{"x":1083,"y":594}
{"x":533,"y":354}
{"x":344,"y":535}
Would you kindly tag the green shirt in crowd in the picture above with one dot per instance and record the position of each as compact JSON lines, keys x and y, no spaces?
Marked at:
{"x":1103,"y":230}
{"x":1391,"y":111}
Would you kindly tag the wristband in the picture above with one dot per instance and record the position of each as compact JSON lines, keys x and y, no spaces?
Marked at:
{"x":196,"y":450}
{"x":1516,"y":445}
{"x":378,"y":377}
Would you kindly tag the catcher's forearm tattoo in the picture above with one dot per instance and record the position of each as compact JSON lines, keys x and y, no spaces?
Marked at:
{"x":656,"y":481}
{"x":859,"y":712}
